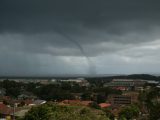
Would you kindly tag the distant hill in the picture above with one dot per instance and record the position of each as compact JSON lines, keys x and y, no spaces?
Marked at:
{"x":89,"y":77}
{"x":132,"y":76}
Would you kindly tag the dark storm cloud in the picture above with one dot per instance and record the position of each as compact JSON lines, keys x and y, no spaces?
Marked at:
{"x":41,"y":16}
{"x":77,"y":28}
{"x":75,"y":17}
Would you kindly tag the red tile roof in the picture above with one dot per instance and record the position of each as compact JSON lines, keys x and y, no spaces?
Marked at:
{"x":77,"y":102}
{"x":86,"y":103}
{"x":104,"y":105}
{"x":5,"y":110}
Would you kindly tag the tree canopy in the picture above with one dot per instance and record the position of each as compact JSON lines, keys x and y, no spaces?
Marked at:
{"x":56,"y":112}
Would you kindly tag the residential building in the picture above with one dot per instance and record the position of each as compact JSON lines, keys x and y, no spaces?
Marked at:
{"x":120,"y":100}
{"x":125,"y":84}
{"x":133,"y":95}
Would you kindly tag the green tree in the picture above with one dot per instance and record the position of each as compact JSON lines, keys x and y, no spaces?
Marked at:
{"x":109,"y":114}
{"x":55,"y":112}
{"x":155,"y":112}
{"x":101,"y":98}
{"x":86,"y":96}
{"x":39,"y":113}
{"x":94,"y":105}
{"x":129,"y":112}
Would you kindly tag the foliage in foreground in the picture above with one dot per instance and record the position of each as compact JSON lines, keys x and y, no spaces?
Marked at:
{"x":129,"y":112}
{"x":55,"y":112}
{"x":150,"y":100}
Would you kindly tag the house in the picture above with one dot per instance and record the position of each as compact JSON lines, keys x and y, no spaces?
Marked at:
{"x":104,"y":105}
{"x":75,"y":102}
{"x":86,"y":103}
{"x":39,"y":102}
{"x":6,"y":111}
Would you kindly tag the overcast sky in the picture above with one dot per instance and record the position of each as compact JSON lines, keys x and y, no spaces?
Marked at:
{"x":46,"y":37}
